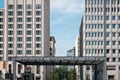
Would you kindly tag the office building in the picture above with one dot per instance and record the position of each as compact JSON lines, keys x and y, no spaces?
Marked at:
{"x":100,"y":33}
{"x":26,"y":33}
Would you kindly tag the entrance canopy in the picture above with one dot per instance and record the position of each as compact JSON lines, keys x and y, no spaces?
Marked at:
{"x":34,"y":60}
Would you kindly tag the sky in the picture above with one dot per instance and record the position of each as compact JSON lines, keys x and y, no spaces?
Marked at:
{"x":65,"y":19}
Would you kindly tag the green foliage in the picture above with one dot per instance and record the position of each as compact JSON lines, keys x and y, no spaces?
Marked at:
{"x":62,"y":73}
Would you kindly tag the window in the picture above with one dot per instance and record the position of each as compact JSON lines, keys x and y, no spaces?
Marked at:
{"x":113,"y":59}
{"x":38,"y":26}
{"x":19,"y":26}
{"x":10,"y":6}
{"x":38,"y":69}
{"x":1,"y":52}
{"x":29,"y":13}
{"x":38,"y":52}
{"x":107,"y":17}
{"x":10,"y":13}
{"x":119,"y":51}
{"x":29,"y":32}
{"x":28,"y":45}
{"x":1,"y":26}
{"x":19,"y":13}
{"x":38,"y":6}
{"x":28,"y":38}
{"x":10,"y":39}
{"x":114,"y":34}
{"x":38,"y":45}
{"x":107,"y":26}
{"x":19,"y":68}
{"x":38,"y":13}
{"x":107,"y":42}
{"x":28,"y":51}
{"x":10,"y":45}
{"x":119,"y":26}
{"x":1,"y":32}
{"x":19,"y":38}
{"x":10,"y":32}
{"x":29,"y":19}
{"x":38,"y":38}
{"x":9,"y":58}
{"x":19,"y":19}
{"x":19,"y":6}
{"x":29,"y":6}
{"x":19,"y":45}
{"x":107,"y":34}
{"x":1,"y":13}
{"x":1,"y":19}
{"x":38,"y":32}
{"x":1,"y":39}
{"x":19,"y":32}
{"x":108,"y":59}
{"x":10,"y":52}
{"x":113,"y":51}
{"x":113,"y":42}
{"x":100,"y":26}
{"x":119,"y":59}
{"x":113,"y":26}
{"x":29,"y":25}
{"x":19,"y":52}
{"x":113,"y":17}
{"x":1,"y":45}
{"x":38,"y":19}
{"x":10,"y":26}
{"x":10,"y":19}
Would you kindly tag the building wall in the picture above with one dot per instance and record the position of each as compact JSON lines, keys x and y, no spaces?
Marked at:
{"x":101,"y":32}
{"x":26,"y":31}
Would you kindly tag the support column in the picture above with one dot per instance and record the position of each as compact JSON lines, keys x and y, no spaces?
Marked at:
{"x":14,"y":70}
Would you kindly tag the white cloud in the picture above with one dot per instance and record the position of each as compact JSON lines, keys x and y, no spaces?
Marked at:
{"x":67,"y":6}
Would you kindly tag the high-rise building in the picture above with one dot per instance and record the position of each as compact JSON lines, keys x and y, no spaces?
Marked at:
{"x":25,"y":32}
{"x":100,"y":35}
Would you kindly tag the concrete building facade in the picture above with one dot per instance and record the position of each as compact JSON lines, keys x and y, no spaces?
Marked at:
{"x":26,"y":25}
{"x":100,"y":35}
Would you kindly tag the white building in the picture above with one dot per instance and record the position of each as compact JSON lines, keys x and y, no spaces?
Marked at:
{"x":101,"y":35}
{"x":26,"y":33}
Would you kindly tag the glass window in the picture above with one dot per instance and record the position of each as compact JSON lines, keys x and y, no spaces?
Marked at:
{"x":113,"y":17}
{"x":119,"y":26}
{"x":29,"y":13}
{"x":38,"y":38}
{"x":19,"y":6}
{"x":10,"y":39}
{"x":1,"y":26}
{"x":107,"y":26}
{"x":113,"y":59}
{"x":10,"y":13}
{"x":38,"y":52}
{"x":29,"y":25}
{"x":10,"y":45}
{"x":38,"y":13}
{"x":107,"y":42}
{"x":107,"y":34}
{"x":10,"y":19}
{"x":10,"y":52}
{"x":29,"y":19}
{"x":38,"y":25}
{"x":19,"y":19}
{"x":38,"y":70}
{"x":29,"y":6}
{"x":1,"y":32}
{"x":19,"y":26}
{"x":10,"y":26}
{"x":29,"y":32}
{"x":28,"y":51}
{"x":19,"y":45}
{"x":38,"y":19}
{"x":113,"y":51}
{"x":113,"y":42}
{"x":108,"y":59}
{"x":113,"y":26}
{"x":1,"y":45}
{"x":19,"y":32}
{"x":1,"y":13}
{"x":38,"y":6}
{"x":1,"y":39}
{"x":9,"y":58}
{"x":19,"y":51}
{"x":107,"y":17}
{"x":38,"y":32}
{"x":19,"y":13}
{"x":107,"y":51}
{"x":19,"y":38}
{"x":1,"y":52}
{"x":119,"y":17}
{"x":1,"y":19}
{"x":28,"y":38}
{"x":38,"y":45}
{"x":28,"y":45}
{"x":113,"y":34}
{"x":119,"y":51}
{"x":10,"y":6}
{"x":10,"y":32}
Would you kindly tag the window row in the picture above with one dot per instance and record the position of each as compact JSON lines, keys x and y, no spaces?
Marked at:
{"x":94,"y":17}
{"x":112,"y":42}
{"x":20,"y":13}
{"x":20,"y":52}
{"x":20,"y":26}
{"x":94,"y":26}
{"x":94,"y":2}
{"x":113,"y":60}
{"x":94,"y":42}
{"x":28,"y":6}
{"x":112,"y":51}
{"x":94,"y":51}
{"x":94,"y":34}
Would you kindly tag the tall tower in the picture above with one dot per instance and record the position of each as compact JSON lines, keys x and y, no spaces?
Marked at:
{"x":27,"y":32}
{"x":101,"y":35}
